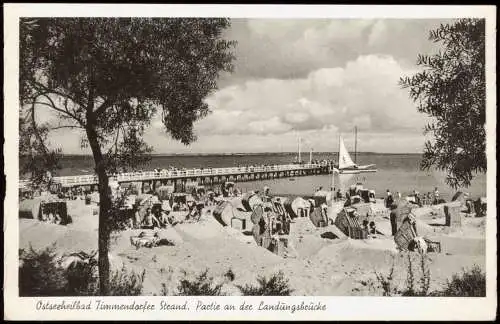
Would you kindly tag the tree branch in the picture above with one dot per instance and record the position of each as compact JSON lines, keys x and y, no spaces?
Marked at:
{"x":35,"y":129}
{"x":56,"y":92}
{"x":65,"y":112}
{"x":65,"y":126}
{"x":106,"y":104}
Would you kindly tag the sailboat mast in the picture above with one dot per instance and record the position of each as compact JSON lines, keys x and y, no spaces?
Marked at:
{"x":300,"y":160}
{"x":355,"y":143}
{"x":338,"y":154}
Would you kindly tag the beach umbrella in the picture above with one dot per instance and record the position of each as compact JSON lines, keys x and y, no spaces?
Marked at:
{"x":114,"y":184}
{"x":223,"y":213}
{"x":300,"y":204}
{"x":250,"y":201}
{"x":30,"y":208}
{"x":94,"y":197}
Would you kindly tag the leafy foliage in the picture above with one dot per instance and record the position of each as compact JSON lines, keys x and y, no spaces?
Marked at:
{"x":126,"y":283}
{"x":229,"y":275}
{"x":39,"y":274}
{"x":471,"y":283}
{"x":451,"y":90}
{"x":108,"y":78}
{"x":32,"y":140}
{"x":276,"y":285}
{"x":422,"y":287}
{"x":387,"y":282}
{"x":82,"y":276}
{"x":202,"y":285}
{"x":113,"y":74}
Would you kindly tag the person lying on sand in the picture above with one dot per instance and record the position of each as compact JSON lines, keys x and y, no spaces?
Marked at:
{"x":172,"y":221}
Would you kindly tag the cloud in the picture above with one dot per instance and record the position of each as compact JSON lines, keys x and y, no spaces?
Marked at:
{"x":318,"y":77}
{"x":364,"y":93}
{"x":292,"y":48}
{"x":378,"y":33}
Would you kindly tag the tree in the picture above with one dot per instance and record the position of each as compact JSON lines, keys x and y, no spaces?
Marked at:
{"x":109,"y":77}
{"x":451,"y":89}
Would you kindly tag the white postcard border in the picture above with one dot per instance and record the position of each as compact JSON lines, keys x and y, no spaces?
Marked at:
{"x":338,"y":308}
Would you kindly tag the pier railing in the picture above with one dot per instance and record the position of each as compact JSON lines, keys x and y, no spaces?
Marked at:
{"x":91,"y":179}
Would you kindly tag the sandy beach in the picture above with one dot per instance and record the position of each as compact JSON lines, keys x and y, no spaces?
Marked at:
{"x":317,"y":265}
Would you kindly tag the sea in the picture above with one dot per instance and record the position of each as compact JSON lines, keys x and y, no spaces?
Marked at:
{"x":396,"y":172}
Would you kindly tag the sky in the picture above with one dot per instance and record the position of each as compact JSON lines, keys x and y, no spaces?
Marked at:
{"x":310,"y":78}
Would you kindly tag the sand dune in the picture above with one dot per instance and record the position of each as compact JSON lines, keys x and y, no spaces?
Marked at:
{"x":328,"y":265}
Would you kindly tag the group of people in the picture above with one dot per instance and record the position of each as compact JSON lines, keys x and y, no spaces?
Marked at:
{"x":159,"y":213}
{"x":151,"y":221}
{"x":53,"y":218}
{"x":415,"y":198}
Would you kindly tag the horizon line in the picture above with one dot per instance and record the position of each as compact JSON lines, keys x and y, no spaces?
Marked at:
{"x":253,"y":153}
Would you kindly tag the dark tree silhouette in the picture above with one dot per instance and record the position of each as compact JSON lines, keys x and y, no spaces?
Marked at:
{"x":109,"y":77}
{"x":451,"y":89}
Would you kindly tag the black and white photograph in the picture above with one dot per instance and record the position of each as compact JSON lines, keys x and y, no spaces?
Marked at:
{"x":168,"y":155}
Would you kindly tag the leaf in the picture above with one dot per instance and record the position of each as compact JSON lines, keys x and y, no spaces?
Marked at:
{"x":452,"y":91}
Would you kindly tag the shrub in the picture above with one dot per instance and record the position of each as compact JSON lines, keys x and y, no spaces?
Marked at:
{"x":276,"y":285}
{"x":386,"y":282}
{"x":422,"y":289}
{"x":202,"y":285}
{"x":471,"y":283}
{"x":39,"y":274}
{"x":125,"y":283}
{"x":82,"y":276}
{"x":229,"y":275}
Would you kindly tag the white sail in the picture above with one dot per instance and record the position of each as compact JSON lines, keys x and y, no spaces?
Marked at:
{"x":345,"y":160}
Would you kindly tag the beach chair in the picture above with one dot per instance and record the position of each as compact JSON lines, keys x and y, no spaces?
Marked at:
{"x":348,"y":222}
{"x":279,"y":208}
{"x":405,"y":234}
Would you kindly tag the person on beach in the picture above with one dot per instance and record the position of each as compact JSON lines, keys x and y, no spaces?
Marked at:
{"x":137,"y":219}
{"x":428,"y":198}
{"x":266,"y":197}
{"x":164,"y":222}
{"x":398,"y":194}
{"x":165,"y":206}
{"x":389,"y":200}
{"x":347,"y":199}
{"x":339,"y":194}
{"x":150,"y":221}
{"x":393,"y":216}
{"x":365,"y":226}
{"x":130,"y":223}
{"x":418,"y":201}
{"x":436,"y":196}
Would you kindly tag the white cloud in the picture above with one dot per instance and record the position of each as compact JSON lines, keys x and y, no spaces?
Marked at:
{"x":364,"y":93}
{"x":378,"y":33}
{"x":318,"y":77}
{"x":291,"y":48}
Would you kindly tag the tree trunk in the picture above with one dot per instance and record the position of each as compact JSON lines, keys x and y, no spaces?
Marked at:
{"x":104,"y":207}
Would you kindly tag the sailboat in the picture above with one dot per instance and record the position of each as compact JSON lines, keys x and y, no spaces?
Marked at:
{"x":346,"y":165}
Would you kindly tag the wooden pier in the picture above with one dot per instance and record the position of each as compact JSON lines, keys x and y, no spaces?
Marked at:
{"x":207,"y":176}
